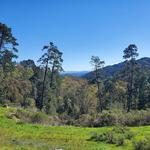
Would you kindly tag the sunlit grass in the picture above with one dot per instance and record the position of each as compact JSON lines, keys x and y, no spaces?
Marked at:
{"x":20,"y":136}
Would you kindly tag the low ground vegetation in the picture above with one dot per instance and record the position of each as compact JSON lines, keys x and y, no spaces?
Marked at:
{"x":115,"y":117}
{"x":18,"y":135}
{"x":107,"y":118}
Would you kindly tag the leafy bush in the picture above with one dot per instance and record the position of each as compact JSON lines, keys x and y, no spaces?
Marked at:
{"x":133,"y":118}
{"x":19,"y":115}
{"x":142,"y":144}
{"x":105,"y":119}
{"x":84,"y":120}
{"x":28,"y":102}
{"x":117,"y":136}
{"x":137,"y":118}
{"x":98,"y":137}
{"x":22,"y":116}
{"x":40,"y":118}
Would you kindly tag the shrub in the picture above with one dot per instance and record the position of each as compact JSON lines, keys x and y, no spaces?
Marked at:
{"x":133,"y":118}
{"x":19,"y":115}
{"x":117,"y":136}
{"x":84,"y":120}
{"x":137,"y":118}
{"x":22,"y":116}
{"x":120,"y":140}
{"x":142,"y":144}
{"x":107,"y":118}
{"x":40,"y":118}
{"x":25,"y":116}
{"x":98,"y":137}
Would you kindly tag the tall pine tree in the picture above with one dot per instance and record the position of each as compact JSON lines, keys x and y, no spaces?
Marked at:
{"x":52,"y":61}
{"x":130,"y":55}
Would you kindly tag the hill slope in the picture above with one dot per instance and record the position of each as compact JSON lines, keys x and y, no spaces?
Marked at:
{"x":18,"y":135}
{"x":109,"y":71}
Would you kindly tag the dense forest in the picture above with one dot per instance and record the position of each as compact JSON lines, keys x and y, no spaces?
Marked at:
{"x":96,"y":99}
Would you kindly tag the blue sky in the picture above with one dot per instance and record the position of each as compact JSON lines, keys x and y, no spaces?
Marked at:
{"x":80,"y":28}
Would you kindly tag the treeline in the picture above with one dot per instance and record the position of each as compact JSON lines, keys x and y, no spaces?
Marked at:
{"x":133,"y":80}
{"x":42,"y":88}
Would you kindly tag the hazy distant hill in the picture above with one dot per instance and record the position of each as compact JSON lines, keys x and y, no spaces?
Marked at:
{"x":74,"y":73}
{"x":109,"y":71}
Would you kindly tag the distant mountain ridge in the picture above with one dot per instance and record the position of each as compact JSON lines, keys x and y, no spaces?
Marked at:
{"x":110,"y":71}
{"x":74,"y":73}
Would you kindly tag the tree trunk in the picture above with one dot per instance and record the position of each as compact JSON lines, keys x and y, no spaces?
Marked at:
{"x":43,"y":88}
{"x":52,"y":76}
{"x":99,"y":96}
{"x":130,"y":89}
{"x":1,"y":42}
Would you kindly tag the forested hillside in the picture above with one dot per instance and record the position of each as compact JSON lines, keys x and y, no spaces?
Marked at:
{"x":110,"y":71}
{"x":118,"y":94}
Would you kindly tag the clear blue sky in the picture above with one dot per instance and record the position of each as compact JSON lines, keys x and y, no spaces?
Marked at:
{"x":80,"y":28}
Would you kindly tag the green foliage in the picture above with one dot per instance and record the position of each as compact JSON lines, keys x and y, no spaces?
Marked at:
{"x":115,"y":117}
{"x":118,"y":135}
{"x":98,"y":65}
{"x":17,"y":135}
{"x":130,"y":55}
{"x":74,"y":101}
{"x":76,"y":97}
{"x":19,"y":115}
{"x":137,"y":118}
{"x":142,"y":143}
{"x":52,"y":61}
{"x":22,"y":116}
{"x":8,"y":48}
{"x":84,"y":120}
{"x":40,"y":118}
{"x":106,"y":119}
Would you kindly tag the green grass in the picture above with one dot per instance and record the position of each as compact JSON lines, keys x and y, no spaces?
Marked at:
{"x":19,"y":136}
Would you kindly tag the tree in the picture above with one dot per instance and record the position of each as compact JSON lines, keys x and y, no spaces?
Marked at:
{"x":114,"y":93}
{"x":28,"y":64}
{"x":143,"y":88}
{"x":8,"y":52}
{"x":98,"y":65}
{"x":130,"y":55}
{"x":86,"y":95}
{"x":52,"y":60}
{"x":8,"y":48}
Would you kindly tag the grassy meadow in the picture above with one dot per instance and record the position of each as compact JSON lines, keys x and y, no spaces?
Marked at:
{"x":15,"y":135}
